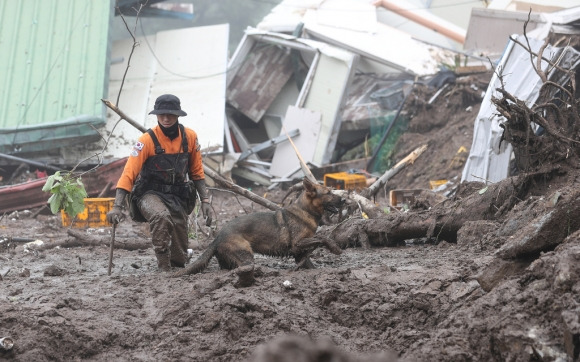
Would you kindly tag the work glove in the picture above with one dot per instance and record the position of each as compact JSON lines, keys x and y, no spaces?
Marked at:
{"x":116,"y":214}
{"x":204,"y":197}
{"x":206,"y":210}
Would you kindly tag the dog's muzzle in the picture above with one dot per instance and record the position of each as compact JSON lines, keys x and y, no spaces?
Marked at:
{"x":335,"y":206}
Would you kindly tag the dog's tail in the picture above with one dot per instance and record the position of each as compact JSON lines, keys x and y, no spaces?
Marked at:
{"x":199,"y":264}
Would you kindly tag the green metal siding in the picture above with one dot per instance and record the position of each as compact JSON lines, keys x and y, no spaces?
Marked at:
{"x":54,"y":60}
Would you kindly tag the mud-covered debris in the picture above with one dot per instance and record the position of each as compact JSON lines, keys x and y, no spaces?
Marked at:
{"x":24,"y":273}
{"x":4,"y":272}
{"x":287,"y":284}
{"x":499,"y":270}
{"x":571,"y":331}
{"x":33,"y":244}
{"x":6,"y":343}
{"x":54,"y":271}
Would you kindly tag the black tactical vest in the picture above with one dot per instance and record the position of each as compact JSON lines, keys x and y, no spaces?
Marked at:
{"x":163,"y":172}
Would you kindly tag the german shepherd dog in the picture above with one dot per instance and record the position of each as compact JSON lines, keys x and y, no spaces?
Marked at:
{"x":285,"y":232}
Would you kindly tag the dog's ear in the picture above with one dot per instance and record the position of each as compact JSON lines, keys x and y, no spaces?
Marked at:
{"x":309,"y":186}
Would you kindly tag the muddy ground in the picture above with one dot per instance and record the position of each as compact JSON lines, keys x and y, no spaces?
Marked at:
{"x":429,"y":300}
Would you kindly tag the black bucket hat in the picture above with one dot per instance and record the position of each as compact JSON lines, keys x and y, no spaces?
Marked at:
{"x":168,"y":104}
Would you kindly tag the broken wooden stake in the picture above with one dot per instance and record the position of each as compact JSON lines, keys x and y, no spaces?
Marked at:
{"x":374,"y":188}
{"x":303,"y":165}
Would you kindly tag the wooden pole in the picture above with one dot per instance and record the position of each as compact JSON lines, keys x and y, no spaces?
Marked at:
{"x":112,"y":246}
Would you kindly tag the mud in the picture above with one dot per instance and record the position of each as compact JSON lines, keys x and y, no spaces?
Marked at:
{"x":424,"y":301}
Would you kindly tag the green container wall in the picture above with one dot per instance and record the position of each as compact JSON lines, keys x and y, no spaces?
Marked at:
{"x":55,"y":60}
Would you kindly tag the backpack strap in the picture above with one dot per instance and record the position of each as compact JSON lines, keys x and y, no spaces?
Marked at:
{"x":158,"y":149}
{"x":184,"y":144}
{"x":183,"y":138}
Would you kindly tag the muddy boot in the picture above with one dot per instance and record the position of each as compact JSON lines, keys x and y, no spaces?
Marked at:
{"x":163,"y":262}
{"x":176,"y":264}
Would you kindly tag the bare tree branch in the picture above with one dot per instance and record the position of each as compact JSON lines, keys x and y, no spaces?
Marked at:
{"x":528,"y":49}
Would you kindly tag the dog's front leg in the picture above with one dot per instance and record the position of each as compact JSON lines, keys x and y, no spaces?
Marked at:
{"x":308,"y":245}
{"x":304,"y":262}
{"x":303,"y":248}
{"x":332,"y":246}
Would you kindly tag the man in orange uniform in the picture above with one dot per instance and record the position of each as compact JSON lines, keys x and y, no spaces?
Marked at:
{"x":161,"y":177}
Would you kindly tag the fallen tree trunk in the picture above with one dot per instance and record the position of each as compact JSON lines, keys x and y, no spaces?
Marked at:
{"x":441,"y":222}
{"x":75,"y":243}
{"x":79,"y":238}
{"x":121,"y":243}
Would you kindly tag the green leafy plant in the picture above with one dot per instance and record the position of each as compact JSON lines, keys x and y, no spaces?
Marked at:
{"x":68,"y":193}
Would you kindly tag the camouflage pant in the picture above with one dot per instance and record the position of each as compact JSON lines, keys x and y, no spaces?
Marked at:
{"x":167,"y":224}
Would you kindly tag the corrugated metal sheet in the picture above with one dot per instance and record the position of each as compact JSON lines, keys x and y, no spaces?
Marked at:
{"x":54,"y":60}
{"x":487,"y":161}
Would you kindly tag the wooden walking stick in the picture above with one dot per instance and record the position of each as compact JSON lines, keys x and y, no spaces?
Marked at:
{"x":112,"y":246}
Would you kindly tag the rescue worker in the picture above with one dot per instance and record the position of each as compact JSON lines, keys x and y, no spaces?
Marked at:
{"x":162,"y":175}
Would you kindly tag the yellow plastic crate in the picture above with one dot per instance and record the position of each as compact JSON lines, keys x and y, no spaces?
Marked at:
{"x":345,"y":181}
{"x":433,"y":184}
{"x":94,"y":214}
